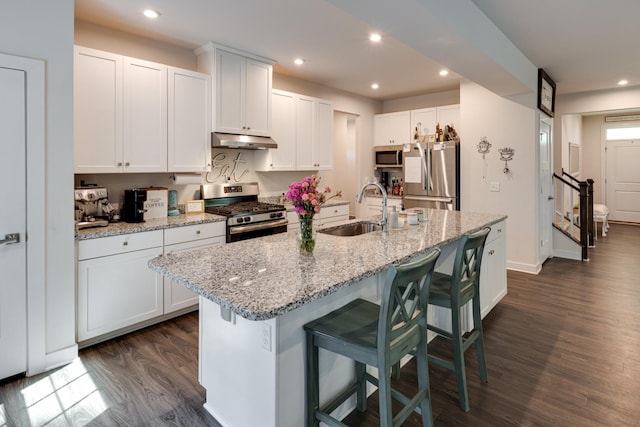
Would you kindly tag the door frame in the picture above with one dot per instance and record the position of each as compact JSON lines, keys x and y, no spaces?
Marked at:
{"x":603,"y":154}
{"x":35,"y":236}
{"x":543,"y":202}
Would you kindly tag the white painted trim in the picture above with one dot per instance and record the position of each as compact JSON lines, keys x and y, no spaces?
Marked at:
{"x":524,"y":268}
{"x":61,"y":357}
{"x":36,"y":231}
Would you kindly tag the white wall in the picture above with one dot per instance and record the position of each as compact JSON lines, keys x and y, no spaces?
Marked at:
{"x":615,"y":101}
{"x":505,"y":124}
{"x":43,"y":29}
{"x":109,"y":40}
{"x":422,"y":101}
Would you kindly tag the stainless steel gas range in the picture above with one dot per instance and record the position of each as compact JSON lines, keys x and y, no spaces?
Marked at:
{"x":246,"y":216}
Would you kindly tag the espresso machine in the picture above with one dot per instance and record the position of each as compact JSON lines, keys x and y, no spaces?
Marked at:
{"x":92,"y":207}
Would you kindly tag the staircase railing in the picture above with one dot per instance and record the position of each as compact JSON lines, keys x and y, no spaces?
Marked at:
{"x":573,"y":208}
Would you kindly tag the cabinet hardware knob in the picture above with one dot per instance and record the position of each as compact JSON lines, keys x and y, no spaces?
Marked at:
{"x":198,"y":232}
{"x":125,"y":243}
{"x":491,"y":252}
{"x":119,"y":163}
{"x":499,"y":230}
{"x":126,"y":164}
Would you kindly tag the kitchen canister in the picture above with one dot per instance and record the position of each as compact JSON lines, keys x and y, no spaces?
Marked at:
{"x":173,"y":203}
{"x":412,"y":218}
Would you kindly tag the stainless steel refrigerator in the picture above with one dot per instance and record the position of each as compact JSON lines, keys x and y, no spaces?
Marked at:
{"x":431,"y":175}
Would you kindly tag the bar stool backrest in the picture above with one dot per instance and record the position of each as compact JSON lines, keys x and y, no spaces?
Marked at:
{"x":466,"y":267}
{"x":403,"y":308}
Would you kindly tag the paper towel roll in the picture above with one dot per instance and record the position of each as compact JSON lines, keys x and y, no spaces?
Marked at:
{"x":187,"y":178}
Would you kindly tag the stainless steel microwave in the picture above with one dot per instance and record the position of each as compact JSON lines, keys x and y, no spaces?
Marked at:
{"x":388,"y":156}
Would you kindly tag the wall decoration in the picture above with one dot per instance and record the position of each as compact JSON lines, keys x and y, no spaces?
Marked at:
{"x":506,"y":155}
{"x":546,"y":93}
{"x":484,"y":146}
{"x":226,"y":168}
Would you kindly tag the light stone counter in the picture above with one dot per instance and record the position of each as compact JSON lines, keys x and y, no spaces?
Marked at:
{"x":263,"y":278}
{"x":119,"y":228}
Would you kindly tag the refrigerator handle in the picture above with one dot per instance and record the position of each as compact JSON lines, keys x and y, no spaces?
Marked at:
{"x":428,"y":170}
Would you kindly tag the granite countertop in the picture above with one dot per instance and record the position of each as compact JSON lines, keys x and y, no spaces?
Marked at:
{"x":118,"y":228}
{"x":262,"y":278}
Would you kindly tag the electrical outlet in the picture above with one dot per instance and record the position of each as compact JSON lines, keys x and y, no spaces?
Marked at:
{"x":266,"y":337}
{"x":494,"y":186}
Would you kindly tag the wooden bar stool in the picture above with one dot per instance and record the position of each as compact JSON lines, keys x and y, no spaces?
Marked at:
{"x":378,"y":336}
{"x":454,"y":291}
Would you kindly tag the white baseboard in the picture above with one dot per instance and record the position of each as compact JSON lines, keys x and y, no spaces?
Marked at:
{"x":525,"y":268}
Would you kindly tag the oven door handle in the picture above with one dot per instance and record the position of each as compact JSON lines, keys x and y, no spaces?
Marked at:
{"x":236,"y":229}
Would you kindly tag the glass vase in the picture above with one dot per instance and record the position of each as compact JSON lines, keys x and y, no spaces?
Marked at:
{"x":306,"y":237}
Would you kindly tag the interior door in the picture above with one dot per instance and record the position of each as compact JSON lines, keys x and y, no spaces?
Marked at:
{"x":546,"y":199}
{"x":623,"y":180}
{"x":13,"y":310}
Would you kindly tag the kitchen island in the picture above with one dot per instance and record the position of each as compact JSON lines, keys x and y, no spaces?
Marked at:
{"x":256,"y":295}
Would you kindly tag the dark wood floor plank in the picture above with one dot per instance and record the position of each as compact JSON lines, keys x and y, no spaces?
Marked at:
{"x":563,"y":349}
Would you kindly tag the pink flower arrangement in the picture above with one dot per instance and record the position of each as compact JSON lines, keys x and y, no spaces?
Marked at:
{"x":306,"y":198}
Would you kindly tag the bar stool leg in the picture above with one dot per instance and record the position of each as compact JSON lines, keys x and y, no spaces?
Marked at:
{"x":458,"y":358}
{"x":361,"y":370}
{"x":478,"y":344}
{"x":384,"y":393}
{"x":313,"y":378}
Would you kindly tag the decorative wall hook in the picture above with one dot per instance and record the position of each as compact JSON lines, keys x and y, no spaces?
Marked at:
{"x":506,"y":155}
{"x":483,"y":148}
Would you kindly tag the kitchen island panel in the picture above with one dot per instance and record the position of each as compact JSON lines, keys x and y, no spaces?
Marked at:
{"x":261,"y":364}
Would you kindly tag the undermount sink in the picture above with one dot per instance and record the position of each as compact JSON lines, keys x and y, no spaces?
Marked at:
{"x":355,"y":229}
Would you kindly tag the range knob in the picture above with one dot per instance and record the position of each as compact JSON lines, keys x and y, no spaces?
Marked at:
{"x":239,"y":220}
{"x":247,"y":219}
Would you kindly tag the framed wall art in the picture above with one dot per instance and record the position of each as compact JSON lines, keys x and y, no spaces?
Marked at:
{"x":546,"y":93}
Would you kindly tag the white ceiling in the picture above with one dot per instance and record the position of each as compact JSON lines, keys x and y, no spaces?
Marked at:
{"x":583,"y":45}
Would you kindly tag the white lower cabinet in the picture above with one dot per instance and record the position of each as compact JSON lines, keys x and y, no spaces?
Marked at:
{"x":116,"y":289}
{"x":176,"y":296}
{"x":328,"y":215}
{"x":493,"y":275}
{"x":333,"y":214}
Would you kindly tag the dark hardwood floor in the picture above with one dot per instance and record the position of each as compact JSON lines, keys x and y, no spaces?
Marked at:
{"x":563,"y":349}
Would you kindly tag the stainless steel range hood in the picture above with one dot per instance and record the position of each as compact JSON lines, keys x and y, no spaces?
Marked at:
{"x":247,"y":142}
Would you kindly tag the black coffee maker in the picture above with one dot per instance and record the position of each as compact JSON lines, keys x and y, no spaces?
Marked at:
{"x":133,"y":210}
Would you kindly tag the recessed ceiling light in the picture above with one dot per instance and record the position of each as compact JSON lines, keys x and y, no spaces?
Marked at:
{"x":375,"y":37}
{"x":151,"y":14}
{"x":375,"y":86}
{"x":622,"y":82}
{"x":298,"y":61}
{"x":444,"y":73}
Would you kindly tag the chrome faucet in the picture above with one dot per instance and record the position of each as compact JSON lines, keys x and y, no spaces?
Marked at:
{"x":383,"y":222}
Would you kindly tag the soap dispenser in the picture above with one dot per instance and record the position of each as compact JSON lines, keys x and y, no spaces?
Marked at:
{"x":393,"y":217}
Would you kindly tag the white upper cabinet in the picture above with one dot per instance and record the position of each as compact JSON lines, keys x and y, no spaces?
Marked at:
{"x":449,"y":115}
{"x":426,"y":119}
{"x":423,"y":121}
{"x":392,"y":129}
{"x":145,"y":116}
{"x":303,"y":129}
{"x":283,"y":131}
{"x":132,"y":115}
{"x":241,"y":90}
{"x":97,"y":114}
{"x":324,"y":135}
{"x":189,"y":139}
{"x":305,"y":109}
